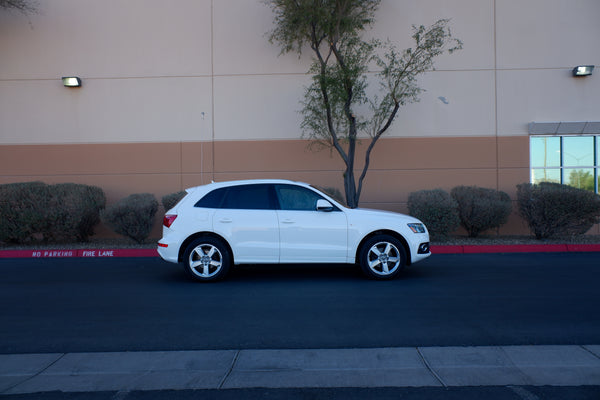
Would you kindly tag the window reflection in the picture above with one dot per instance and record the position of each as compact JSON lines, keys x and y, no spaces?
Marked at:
{"x":579,"y":178}
{"x":296,"y":198}
{"x":545,"y":152}
{"x":545,"y":175}
{"x":578,"y":151}
{"x":570,"y":160}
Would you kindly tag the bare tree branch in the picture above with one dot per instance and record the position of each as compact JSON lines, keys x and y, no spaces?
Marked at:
{"x":333,"y":106}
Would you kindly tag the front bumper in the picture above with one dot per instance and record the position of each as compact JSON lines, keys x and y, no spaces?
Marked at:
{"x":419,"y":247}
{"x":424,"y":248}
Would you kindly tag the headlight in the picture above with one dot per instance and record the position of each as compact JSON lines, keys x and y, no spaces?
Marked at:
{"x":417,"y":228}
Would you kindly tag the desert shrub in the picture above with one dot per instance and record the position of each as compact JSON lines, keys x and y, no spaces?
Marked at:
{"x":552,"y":209}
{"x":132,"y":216}
{"x":437,"y":209}
{"x":22,"y":210}
{"x":73,"y":212}
{"x":170,"y":200}
{"x":480,"y":209}
{"x":35,"y":210}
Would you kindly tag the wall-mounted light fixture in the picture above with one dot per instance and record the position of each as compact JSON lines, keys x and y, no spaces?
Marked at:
{"x":583,"y":70}
{"x":71,"y":81}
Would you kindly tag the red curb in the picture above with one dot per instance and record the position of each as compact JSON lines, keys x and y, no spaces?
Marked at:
{"x":516,"y":248}
{"x":447,"y":249}
{"x":84,"y":253}
{"x":38,"y":253}
{"x":91,"y":253}
{"x":583,"y":247}
{"x":451,"y":249}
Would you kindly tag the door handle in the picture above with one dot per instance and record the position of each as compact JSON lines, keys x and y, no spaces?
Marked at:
{"x":225,"y":220}
{"x":287,"y":221}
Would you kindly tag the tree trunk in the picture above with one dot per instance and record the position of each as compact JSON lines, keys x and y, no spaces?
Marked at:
{"x":350,"y":188}
{"x":349,"y":181}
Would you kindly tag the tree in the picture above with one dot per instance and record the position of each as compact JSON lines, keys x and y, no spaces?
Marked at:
{"x":581,"y":179}
{"x":25,"y":6}
{"x":337,"y":112}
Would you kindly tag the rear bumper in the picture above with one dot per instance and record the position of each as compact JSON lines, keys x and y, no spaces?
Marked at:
{"x":168,"y":251}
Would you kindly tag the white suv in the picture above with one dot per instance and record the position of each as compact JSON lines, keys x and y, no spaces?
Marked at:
{"x":280,"y":221}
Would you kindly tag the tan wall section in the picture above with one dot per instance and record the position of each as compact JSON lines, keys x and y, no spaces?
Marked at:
{"x":203,"y":70}
{"x":398,"y":167}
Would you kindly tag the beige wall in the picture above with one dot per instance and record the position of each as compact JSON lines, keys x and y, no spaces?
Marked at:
{"x":196,"y":70}
{"x":181,"y":92}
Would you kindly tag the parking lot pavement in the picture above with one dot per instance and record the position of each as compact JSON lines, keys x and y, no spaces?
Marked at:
{"x":326,"y":368}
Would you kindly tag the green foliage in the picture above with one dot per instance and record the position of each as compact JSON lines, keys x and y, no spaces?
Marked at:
{"x":73,"y":212}
{"x":552,"y":209}
{"x":582,"y":179}
{"x":480,"y":209}
{"x":24,"y":6}
{"x":65,"y":211}
{"x":132,"y":216}
{"x":337,"y":113}
{"x":170,"y":200}
{"x":302,"y":23}
{"x":437,"y":209}
{"x":22,"y":210}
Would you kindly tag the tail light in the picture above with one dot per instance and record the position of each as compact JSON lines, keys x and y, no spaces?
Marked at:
{"x":169,"y":219}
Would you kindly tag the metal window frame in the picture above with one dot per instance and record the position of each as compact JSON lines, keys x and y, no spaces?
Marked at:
{"x":556,"y":128}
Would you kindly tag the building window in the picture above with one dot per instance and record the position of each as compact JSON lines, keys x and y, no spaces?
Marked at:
{"x":570,"y":160}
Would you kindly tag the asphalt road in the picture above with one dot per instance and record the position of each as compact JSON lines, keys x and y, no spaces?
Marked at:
{"x":129,"y":304}
{"x":426,"y":393}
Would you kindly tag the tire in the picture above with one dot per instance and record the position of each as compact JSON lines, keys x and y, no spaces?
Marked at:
{"x":207,"y":259}
{"x":382,"y":257}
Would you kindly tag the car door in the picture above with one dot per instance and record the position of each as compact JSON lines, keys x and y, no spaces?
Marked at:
{"x":247,"y":219}
{"x":308,"y":235}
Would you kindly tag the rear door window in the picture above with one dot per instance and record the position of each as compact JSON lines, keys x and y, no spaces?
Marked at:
{"x":248,"y":197}
{"x":242,"y":197}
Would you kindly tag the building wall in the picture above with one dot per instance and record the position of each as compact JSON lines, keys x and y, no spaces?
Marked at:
{"x":180,"y":93}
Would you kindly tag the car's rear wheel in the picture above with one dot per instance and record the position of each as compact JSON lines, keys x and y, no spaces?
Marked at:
{"x":382,"y":257}
{"x":207,"y":259}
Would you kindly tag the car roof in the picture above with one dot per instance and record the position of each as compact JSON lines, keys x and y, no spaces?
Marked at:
{"x":214,"y":185}
{"x":201,"y":190}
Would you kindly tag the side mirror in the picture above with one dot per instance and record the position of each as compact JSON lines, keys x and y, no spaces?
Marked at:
{"x":324,"y":205}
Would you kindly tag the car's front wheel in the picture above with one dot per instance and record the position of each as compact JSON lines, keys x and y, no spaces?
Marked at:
{"x":207,"y":259}
{"x":382,"y":257}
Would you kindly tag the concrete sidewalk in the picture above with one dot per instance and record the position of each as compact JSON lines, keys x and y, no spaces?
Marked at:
{"x":225,"y":369}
